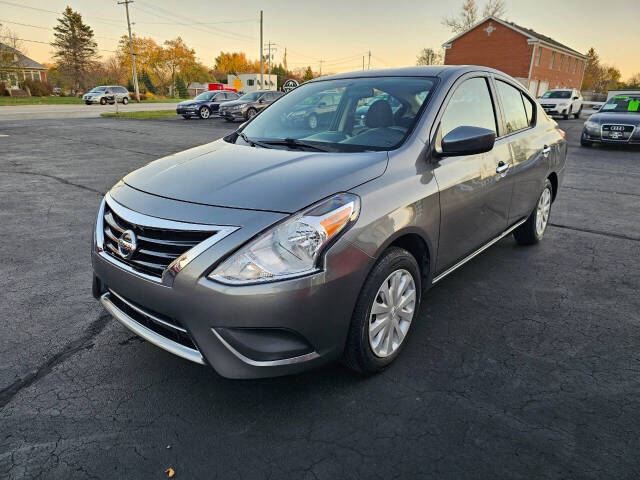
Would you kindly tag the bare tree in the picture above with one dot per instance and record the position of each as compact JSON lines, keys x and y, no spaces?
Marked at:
{"x":468,"y":14}
{"x":428,"y":56}
{"x":10,"y":59}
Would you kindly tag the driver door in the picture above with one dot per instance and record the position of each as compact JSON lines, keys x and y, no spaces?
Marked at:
{"x":475,"y":190}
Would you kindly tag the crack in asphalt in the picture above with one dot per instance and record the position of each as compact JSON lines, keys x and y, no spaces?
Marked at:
{"x":54,"y":177}
{"x":596,"y":232}
{"x":83,"y":342}
{"x":601,"y":191}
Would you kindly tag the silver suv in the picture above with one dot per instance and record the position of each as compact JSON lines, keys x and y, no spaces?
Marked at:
{"x":107,"y":94}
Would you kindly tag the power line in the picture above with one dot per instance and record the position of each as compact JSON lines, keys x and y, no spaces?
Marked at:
{"x":47,"y":43}
{"x":102,"y":19}
{"x":49,"y":28}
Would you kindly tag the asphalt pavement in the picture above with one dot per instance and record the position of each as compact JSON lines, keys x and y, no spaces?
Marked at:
{"x":36,"y":112}
{"x":524,"y":363}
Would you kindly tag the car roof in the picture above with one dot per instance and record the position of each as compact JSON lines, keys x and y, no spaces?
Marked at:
{"x":443,"y":71}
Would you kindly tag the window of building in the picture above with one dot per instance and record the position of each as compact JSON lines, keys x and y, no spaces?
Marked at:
{"x":568,"y":64}
{"x":561,"y":62}
{"x":538,"y":55}
{"x":575,"y":66}
{"x":553,"y":60}
{"x":250,"y":82}
{"x":470,"y":105}
{"x":516,"y":117}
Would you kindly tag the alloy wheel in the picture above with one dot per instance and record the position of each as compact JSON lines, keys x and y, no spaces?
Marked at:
{"x":392,"y":312}
{"x":542,"y":213}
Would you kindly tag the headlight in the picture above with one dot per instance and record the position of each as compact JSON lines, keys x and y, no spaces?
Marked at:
{"x":293,"y":247}
{"x":592,"y":126}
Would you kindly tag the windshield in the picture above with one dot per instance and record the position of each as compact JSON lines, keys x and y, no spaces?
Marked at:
{"x":251,"y":97}
{"x":99,"y":89}
{"x":393,"y":106}
{"x":622,"y":103}
{"x":205,"y":96}
{"x":557,"y":94}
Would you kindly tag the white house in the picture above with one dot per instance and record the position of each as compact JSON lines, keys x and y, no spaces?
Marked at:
{"x":251,"y":82}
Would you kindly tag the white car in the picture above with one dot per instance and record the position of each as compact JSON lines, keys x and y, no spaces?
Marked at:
{"x":107,"y":94}
{"x":563,"y":102}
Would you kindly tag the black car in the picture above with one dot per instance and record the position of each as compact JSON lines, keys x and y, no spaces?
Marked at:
{"x":247,"y":106}
{"x":205,"y":104}
{"x":617,"y":122}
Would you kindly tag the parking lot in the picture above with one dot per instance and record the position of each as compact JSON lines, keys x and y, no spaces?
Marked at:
{"x":525,"y":363}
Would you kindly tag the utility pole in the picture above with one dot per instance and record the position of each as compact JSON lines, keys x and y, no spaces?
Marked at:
{"x":321,"y":62}
{"x":270,"y":46}
{"x":363,"y":62}
{"x":133,"y":55}
{"x":261,"y":57}
{"x":369,"y":64}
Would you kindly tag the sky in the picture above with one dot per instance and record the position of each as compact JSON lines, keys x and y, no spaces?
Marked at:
{"x":337,"y":32}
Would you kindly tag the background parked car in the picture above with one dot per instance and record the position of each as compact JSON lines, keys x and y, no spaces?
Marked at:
{"x":107,"y":94}
{"x":204,"y":104}
{"x":617,"y":122}
{"x":316,"y":110}
{"x":563,"y":102}
{"x":248,"y":105}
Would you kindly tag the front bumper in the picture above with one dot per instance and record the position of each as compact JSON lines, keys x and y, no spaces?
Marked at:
{"x":233,"y":114}
{"x":241,"y":331}
{"x":187,"y":110}
{"x":597,"y":138}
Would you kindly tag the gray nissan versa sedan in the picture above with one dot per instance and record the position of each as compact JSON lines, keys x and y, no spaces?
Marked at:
{"x":283,"y":247}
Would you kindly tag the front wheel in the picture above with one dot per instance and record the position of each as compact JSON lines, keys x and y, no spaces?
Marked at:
{"x":585,"y":143}
{"x":204,"y":113}
{"x":125,"y":100}
{"x":103,"y":101}
{"x":387,"y":305}
{"x":532,"y":231}
{"x":252,"y":112}
{"x":566,"y":115}
{"x":88,"y":103}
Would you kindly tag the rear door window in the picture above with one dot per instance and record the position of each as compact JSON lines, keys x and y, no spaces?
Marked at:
{"x":515,"y":115}
{"x":470,"y":106}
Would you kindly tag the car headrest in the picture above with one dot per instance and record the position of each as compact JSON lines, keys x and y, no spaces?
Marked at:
{"x":379,"y":115}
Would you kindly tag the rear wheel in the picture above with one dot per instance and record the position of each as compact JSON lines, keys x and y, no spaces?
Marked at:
{"x":577,"y":114}
{"x":388,"y":304}
{"x":103,"y":101}
{"x":252,"y":112}
{"x":532,"y":231}
{"x":125,"y":100}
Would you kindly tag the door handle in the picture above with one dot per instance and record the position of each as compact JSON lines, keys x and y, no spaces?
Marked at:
{"x":502,"y":168}
{"x":545,"y":151}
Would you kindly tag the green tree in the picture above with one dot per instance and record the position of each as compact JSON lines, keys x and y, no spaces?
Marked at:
{"x":281,"y":72}
{"x":308,"y":75}
{"x":75,"y":49}
{"x":181,"y":87}
{"x":146,"y":81}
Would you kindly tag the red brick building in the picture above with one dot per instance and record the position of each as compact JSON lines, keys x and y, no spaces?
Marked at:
{"x":537,"y":61}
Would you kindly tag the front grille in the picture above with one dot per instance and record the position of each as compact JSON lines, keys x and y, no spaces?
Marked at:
{"x":617,"y":132}
{"x":548,"y":105}
{"x":169,"y":328}
{"x":156,"y":248}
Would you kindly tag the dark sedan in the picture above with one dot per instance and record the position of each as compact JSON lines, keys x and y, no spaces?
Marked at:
{"x":617,"y":122}
{"x":205,"y":104}
{"x":247,"y":106}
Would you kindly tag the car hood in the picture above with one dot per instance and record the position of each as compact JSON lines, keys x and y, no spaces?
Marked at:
{"x":233,"y":103}
{"x":238,"y":176}
{"x":613,"y":117}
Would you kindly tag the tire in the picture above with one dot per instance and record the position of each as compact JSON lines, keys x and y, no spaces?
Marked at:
{"x":252,"y":112}
{"x":186,"y":117}
{"x":585,"y":143}
{"x":577,"y":114}
{"x":568,"y":114}
{"x":228,"y":119}
{"x":125,"y":100}
{"x":103,"y":101}
{"x":312,"y":121}
{"x":204,"y":112}
{"x":360,"y":353}
{"x":88,"y":103}
{"x":531,"y":231}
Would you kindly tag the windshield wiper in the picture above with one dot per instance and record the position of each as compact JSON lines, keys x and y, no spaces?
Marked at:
{"x":251,"y":141}
{"x":294,"y":142}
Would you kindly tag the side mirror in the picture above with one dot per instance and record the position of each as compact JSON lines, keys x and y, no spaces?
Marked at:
{"x":322,"y":104}
{"x":467,"y":141}
{"x":261,"y":100}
